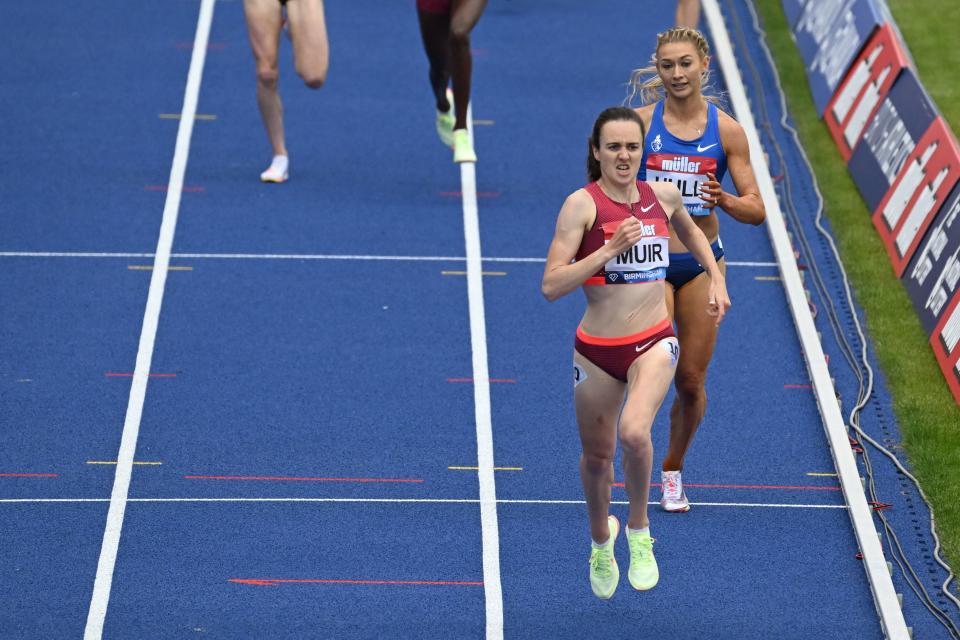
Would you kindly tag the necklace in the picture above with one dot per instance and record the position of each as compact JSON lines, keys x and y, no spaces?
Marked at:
{"x":629,"y":197}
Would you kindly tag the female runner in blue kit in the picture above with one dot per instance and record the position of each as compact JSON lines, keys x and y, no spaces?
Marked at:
{"x":611,"y":239}
{"x":691,"y":143}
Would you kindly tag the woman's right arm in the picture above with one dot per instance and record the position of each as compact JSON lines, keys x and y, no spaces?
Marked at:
{"x":561,"y":275}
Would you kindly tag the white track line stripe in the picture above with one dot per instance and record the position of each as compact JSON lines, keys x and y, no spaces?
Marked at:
{"x":138,"y":388}
{"x":404,"y":501}
{"x":874,"y":562}
{"x":492,"y":592}
{"x":299,"y":256}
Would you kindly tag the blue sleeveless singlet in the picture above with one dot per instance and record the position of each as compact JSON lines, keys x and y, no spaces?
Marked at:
{"x":683,"y":162}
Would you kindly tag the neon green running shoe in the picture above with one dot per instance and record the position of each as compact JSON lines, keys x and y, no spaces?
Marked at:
{"x":445,"y":122}
{"x":643,"y":573}
{"x":604,"y":573}
{"x":463,"y":146}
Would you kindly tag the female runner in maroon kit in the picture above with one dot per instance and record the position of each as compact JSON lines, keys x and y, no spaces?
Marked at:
{"x":611,"y":239}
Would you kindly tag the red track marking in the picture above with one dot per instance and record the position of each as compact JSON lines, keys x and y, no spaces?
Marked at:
{"x":748,"y":486}
{"x":796,"y":386}
{"x":480,"y":194}
{"x":494,"y":380}
{"x":29,"y":475}
{"x":303,"y":479}
{"x":163,"y":187}
{"x":110,"y":374}
{"x":271,"y":582}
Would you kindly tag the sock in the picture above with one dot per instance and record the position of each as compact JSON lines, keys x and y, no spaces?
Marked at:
{"x":280,"y":163}
{"x":599,"y":545}
{"x":645,"y":530}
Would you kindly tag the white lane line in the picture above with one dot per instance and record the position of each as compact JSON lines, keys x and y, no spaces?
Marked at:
{"x":764,"y":505}
{"x":138,"y":388}
{"x":861,"y":515}
{"x":302,"y":256}
{"x":69,"y":254}
{"x":734,"y":263}
{"x":492,"y":592}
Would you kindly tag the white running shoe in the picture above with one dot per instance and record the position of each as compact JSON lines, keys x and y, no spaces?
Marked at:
{"x":278,"y":171}
{"x":674,"y":498}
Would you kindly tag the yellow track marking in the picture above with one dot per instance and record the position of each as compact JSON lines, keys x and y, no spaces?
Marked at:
{"x":767,"y":278}
{"x":115,"y":462}
{"x":483,"y":123}
{"x":822,"y":475}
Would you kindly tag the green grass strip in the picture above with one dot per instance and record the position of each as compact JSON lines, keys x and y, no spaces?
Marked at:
{"x":928,"y":416}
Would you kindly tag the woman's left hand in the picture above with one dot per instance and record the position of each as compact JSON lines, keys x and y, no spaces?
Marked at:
{"x":711,"y":191}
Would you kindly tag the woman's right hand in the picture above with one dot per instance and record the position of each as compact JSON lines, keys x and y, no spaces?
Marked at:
{"x":628,"y":233}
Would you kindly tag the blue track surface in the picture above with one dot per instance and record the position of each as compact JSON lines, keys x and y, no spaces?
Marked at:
{"x":307,"y":411}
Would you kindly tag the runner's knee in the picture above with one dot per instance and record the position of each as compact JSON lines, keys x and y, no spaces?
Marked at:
{"x":690,"y":383}
{"x":635,"y":435}
{"x":597,"y":461}
{"x":313,"y":80}
{"x":267,"y":75}
{"x":459,"y":35}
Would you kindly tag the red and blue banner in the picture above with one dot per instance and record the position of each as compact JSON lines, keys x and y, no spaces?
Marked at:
{"x":945,"y":339}
{"x":859,"y":96}
{"x":928,"y":176}
{"x":900,"y":152}
{"x":830,"y":35}
{"x":933,"y":274}
{"x":903,"y":117}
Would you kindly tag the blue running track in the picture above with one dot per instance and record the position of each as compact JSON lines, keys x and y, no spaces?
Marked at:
{"x":306,"y":465}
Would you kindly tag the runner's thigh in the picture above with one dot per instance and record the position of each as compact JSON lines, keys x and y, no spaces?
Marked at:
{"x":598,"y":398}
{"x":264,"y":21}
{"x":696,"y":330}
{"x":648,"y":380}
{"x":308,"y":31}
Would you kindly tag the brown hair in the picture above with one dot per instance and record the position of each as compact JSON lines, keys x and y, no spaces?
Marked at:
{"x":646,"y":82}
{"x":610,"y":114}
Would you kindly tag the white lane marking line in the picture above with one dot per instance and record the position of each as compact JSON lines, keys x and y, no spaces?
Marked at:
{"x":492,"y":591}
{"x":406,"y":501}
{"x":861,"y":515}
{"x":301,"y":256}
{"x":151,"y":315}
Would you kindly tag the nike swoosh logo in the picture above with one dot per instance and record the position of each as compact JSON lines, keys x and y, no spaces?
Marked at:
{"x":709,"y":146}
{"x":647,"y":208}
{"x":644,"y":346}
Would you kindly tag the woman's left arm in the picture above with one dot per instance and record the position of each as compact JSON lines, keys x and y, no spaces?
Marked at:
{"x":747,"y":206}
